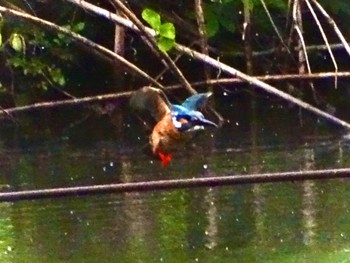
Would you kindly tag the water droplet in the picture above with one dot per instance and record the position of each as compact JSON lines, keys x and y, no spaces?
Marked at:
{"x":111,"y":164}
{"x":205,"y":166}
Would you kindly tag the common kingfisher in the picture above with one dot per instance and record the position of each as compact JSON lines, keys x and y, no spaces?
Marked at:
{"x":176,"y":124}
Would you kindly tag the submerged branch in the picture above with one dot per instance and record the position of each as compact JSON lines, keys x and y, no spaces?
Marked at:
{"x":163,"y":185}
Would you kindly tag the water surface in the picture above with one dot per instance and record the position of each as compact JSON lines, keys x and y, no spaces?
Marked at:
{"x":275,"y":222}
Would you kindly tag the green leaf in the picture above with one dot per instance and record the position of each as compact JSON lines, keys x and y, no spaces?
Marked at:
{"x":212,"y":26}
{"x":152,"y":18}
{"x":227,"y":19}
{"x":79,"y":27}
{"x":167,"y":30}
{"x":57,"y":76}
{"x":165,"y":44}
{"x":17,"y":42}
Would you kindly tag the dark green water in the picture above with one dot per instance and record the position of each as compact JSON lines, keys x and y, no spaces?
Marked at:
{"x":276,"y":222}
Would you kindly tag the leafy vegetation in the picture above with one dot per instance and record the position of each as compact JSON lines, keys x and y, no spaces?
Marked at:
{"x":165,"y":32}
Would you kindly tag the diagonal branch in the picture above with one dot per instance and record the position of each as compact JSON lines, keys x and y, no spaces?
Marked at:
{"x":154,"y":47}
{"x":276,"y":29}
{"x":219,"y":65}
{"x":324,"y":39}
{"x":334,"y":25}
{"x":80,"y":39}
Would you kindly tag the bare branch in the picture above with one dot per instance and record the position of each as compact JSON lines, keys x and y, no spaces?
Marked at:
{"x":163,"y":185}
{"x":269,"y":78}
{"x":324,"y":39}
{"x":68,"y":102}
{"x":202,"y":32}
{"x":154,"y":47}
{"x":80,"y":39}
{"x":219,"y":65}
{"x":275,"y":28}
{"x":334,"y":25}
{"x":114,"y":96}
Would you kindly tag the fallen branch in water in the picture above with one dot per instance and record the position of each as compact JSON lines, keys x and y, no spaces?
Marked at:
{"x":174,"y":184}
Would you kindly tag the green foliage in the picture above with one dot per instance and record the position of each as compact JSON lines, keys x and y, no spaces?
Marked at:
{"x":165,"y":33}
{"x":152,"y":18}
{"x":35,"y":58}
{"x":337,"y":7}
{"x":17,"y":42}
{"x":226,"y":14}
{"x":220,"y":14}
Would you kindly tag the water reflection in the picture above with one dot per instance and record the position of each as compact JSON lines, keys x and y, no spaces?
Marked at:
{"x":281,"y":222}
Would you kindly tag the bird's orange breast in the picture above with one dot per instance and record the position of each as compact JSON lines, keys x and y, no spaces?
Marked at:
{"x":165,"y":136}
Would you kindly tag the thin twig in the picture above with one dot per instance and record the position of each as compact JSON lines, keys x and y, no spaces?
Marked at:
{"x":334,"y":25}
{"x":219,"y":65}
{"x":202,"y":33}
{"x":302,"y":53}
{"x":267,"y":78}
{"x":80,"y":39}
{"x":324,"y":39}
{"x":154,"y":46}
{"x":163,"y":185}
{"x":276,"y":29}
{"x":114,"y":96}
{"x":68,"y":102}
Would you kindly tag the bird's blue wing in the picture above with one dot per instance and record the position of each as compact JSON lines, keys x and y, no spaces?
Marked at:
{"x":196,"y":101}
